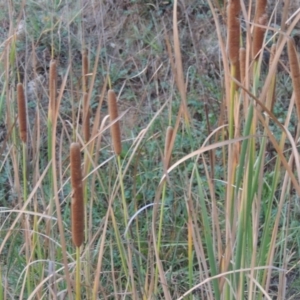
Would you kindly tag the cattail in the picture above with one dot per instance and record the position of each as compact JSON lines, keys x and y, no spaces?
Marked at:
{"x":295,"y":73}
{"x":260,"y":9}
{"x":22,"y":112}
{"x":169,"y":135}
{"x":77,"y":196}
{"x":86,"y":117}
{"x":258,"y":35}
{"x":258,"y":32}
{"x":242,"y":59}
{"x":114,"y":128}
{"x":52,"y":88}
{"x":85,"y":69}
{"x":233,"y":26}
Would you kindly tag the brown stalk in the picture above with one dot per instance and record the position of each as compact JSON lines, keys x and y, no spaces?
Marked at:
{"x":86,"y":117}
{"x":77,"y":196}
{"x":272,"y":54}
{"x":233,"y":26}
{"x":167,"y":154}
{"x":85,"y":70}
{"x":22,"y":112}
{"x":114,"y":128}
{"x":295,"y":73}
{"x":52,"y":88}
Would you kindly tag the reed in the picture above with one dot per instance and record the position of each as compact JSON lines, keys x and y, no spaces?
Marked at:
{"x":22,"y":112}
{"x":50,"y":130}
{"x":86,"y":117}
{"x":85,"y":70}
{"x":115,"y":126}
{"x":272,"y":95}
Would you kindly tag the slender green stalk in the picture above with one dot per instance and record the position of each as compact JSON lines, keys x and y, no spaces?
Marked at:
{"x":78,"y":279}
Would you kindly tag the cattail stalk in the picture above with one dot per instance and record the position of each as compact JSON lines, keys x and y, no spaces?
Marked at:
{"x":23,"y":135}
{"x":51,"y":114}
{"x":86,"y":117}
{"x":22,"y":112}
{"x":295,"y":73}
{"x":233,"y":43}
{"x":77,"y":196}
{"x":242,"y":59}
{"x":273,"y":82}
{"x":85,"y":70}
{"x":114,"y":128}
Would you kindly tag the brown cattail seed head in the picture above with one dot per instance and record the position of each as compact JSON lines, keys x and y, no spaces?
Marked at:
{"x":77,"y":206}
{"x":233,"y":27}
{"x":258,"y":35}
{"x":169,"y":135}
{"x":295,"y":73}
{"x":260,"y":9}
{"x":86,"y":117}
{"x":22,"y":112}
{"x":114,"y":128}
{"x":52,"y":88}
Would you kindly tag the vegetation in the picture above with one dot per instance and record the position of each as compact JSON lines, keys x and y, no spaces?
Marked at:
{"x":149,"y":150}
